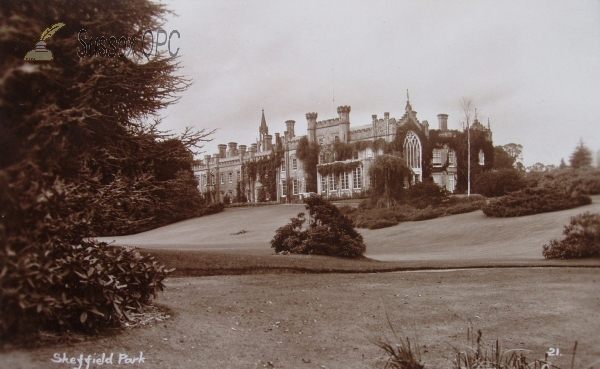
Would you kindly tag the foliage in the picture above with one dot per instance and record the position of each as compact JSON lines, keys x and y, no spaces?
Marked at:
{"x":388,"y":175}
{"x":211,"y":209}
{"x":582,"y":239}
{"x":347,"y":151}
{"x":337,"y":168}
{"x":582,"y":180}
{"x":309,"y":154}
{"x":329,"y":232}
{"x":400,"y":354}
{"x":534,"y":201}
{"x":581,"y":157}
{"x":499,"y":182}
{"x":240,"y":193}
{"x":265,"y":171}
{"x":457,"y":141}
{"x":502,"y":159}
{"x":85,"y":286}
{"x":515,"y":151}
{"x":79,"y":157}
{"x":226,"y":199}
{"x":375,"y":218}
{"x":424,"y":194}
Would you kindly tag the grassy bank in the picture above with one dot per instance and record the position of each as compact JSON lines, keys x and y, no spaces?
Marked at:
{"x":199,"y":263}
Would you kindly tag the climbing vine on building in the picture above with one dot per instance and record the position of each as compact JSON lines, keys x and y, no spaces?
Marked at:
{"x":455,"y":140}
{"x":263,"y":170}
{"x":308,"y":153}
{"x":337,"y":168}
{"x":344,"y":151}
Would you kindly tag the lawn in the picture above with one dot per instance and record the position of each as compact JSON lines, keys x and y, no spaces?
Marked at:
{"x":304,"y":311}
{"x":329,"y":320}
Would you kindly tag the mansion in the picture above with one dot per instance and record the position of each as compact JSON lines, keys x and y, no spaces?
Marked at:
{"x":432,"y":154}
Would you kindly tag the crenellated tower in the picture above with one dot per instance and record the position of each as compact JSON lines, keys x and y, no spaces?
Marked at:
{"x":311,"y":120}
{"x":344,"y":128}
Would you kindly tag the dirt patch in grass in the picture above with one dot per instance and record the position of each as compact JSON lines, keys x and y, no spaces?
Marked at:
{"x":328,"y":320}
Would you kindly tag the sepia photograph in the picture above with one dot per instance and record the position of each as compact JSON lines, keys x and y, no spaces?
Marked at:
{"x":300,"y":184}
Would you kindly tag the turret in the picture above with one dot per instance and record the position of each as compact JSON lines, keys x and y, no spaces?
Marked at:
{"x":344,"y":128}
{"x":311,"y":120}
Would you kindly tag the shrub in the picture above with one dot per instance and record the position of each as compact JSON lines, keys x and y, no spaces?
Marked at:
{"x":581,"y":180}
{"x":534,"y":201}
{"x":582,"y":239}
{"x":226,"y":200}
{"x":498,"y":182}
{"x":329,"y":232}
{"x":84,"y":287}
{"x":211,"y":209}
{"x":424,"y":194}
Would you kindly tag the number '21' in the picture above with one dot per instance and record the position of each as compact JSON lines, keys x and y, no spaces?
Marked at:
{"x":553,"y":351}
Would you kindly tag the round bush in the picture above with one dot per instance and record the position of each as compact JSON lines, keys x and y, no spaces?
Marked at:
{"x":582,"y":239}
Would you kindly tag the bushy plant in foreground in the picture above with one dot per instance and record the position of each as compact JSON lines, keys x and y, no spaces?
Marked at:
{"x":329,"y":232}
{"x":534,"y":201}
{"x":582,"y":239}
{"x":84,"y":287}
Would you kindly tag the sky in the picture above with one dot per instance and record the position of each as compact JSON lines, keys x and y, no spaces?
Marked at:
{"x":531,"y":67}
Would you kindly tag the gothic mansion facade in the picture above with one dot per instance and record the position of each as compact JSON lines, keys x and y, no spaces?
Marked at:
{"x":430,"y":154}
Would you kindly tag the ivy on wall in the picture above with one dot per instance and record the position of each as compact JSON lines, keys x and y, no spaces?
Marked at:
{"x":457,"y":141}
{"x":263,"y":170}
{"x":344,"y":151}
{"x":308,"y":153}
{"x":337,"y":168}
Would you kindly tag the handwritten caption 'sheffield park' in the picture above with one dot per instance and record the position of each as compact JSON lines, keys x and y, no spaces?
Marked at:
{"x":85,"y":362}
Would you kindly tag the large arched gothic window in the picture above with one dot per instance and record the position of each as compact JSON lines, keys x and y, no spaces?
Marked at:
{"x":413,"y":153}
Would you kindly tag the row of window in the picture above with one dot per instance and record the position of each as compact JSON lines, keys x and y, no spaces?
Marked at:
{"x":437,"y":157}
{"x":295,"y":186}
{"x":203,"y":178}
{"x":330,"y":182}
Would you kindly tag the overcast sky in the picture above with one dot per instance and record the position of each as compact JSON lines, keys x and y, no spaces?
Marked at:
{"x":531,"y":67}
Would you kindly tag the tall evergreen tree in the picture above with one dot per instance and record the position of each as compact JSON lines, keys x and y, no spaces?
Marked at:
{"x":581,"y":157}
{"x":80,"y":152}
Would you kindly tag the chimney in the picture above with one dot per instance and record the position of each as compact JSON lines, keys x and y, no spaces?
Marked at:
{"x":252,"y":149}
{"x":216,"y":159}
{"x":443,"y":121}
{"x":222,"y":149}
{"x":242,"y":151}
{"x":289,"y":124}
{"x":276,"y":139}
{"x":374,"y":116}
{"x":268,"y":142}
{"x":207,"y":159}
{"x":231,"y":149}
{"x":386,"y":115}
